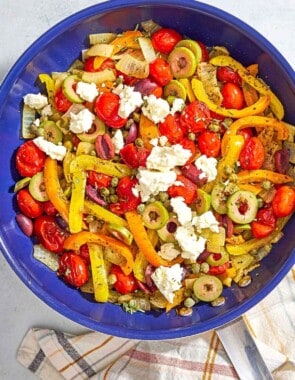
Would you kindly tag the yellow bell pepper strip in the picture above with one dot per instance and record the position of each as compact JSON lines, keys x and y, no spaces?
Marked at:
{"x":53,"y":188}
{"x":147,"y":130}
{"x":74,"y":242}
{"x":261,"y":175}
{"x":102,"y":213}
{"x":231,"y":156}
{"x":50,"y":87}
{"x":256,"y":108}
{"x":255,"y":189}
{"x":87,"y":162}
{"x":77,"y":202}
{"x":189,"y":91}
{"x":275,"y":104}
{"x":255,"y":122}
{"x":99,"y":273}
{"x":142,"y":240}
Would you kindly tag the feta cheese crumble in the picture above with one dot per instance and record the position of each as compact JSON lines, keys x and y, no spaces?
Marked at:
{"x":82,"y":121}
{"x":208,"y":166}
{"x":191,"y":244}
{"x":56,"y":152}
{"x":206,"y":220}
{"x":165,"y":158}
{"x":47,"y":111}
{"x":177,"y":105}
{"x":168,"y":280}
{"x":155,"y":109}
{"x":183,"y":212}
{"x":36,"y":101}
{"x":129,"y":100}
{"x":118,"y":140}
{"x":87,"y":91}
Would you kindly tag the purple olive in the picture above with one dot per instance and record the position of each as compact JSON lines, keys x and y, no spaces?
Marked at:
{"x":93,"y":194}
{"x":25,"y":224}
{"x":145,"y":86}
{"x":132,"y":134}
{"x":282,"y":160}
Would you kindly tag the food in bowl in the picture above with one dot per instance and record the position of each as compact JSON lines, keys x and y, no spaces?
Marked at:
{"x":155,"y":171}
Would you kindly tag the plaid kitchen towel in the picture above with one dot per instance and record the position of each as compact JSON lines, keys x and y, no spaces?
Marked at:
{"x":55,"y":355}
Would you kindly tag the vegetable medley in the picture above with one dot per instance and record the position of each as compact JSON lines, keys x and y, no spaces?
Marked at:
{"x":155,"y":171}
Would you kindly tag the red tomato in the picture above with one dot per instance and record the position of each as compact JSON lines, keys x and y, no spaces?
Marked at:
{"x":89,"y":65}
{"x":98,"y":180}
{"x":205,"y":53}
{"x":226,"y":74}
{"x":29,"y":159}
{"x":189,"y":145}
{"x":188,"y":190}
{"x":127,"y":200}
{"x":246,"y":133}
{"x":195,"y":117}
{"x":49,"y":233}
{"x":283,"y":203}
{"x":62,"y":103}
{"x":209,"y":143}
{"x":107,"y":64}
{"x":260,"y":230}
{"x":73,"y":269}
{"x":106,"y":108}
{"x":252,"y":154}
{"x":125,"y":283}
{"x":127,"y":79}
{"x":264,"y":224}
{"x":171,"y":129}
{"x":232,"y":96}
{"x":160,"y":71}
{"x":49,"y":209}
{"x":28,"y":205}
{"x":84,"y":252}
{"x":134,"y":156}
{"x":218,"y":269}
{"x":165,"y":39}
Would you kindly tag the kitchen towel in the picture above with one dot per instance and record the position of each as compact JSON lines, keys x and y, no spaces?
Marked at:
{"x":57,"y":355}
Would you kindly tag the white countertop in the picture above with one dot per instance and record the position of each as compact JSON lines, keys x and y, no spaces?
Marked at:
{"x":21,"y":23}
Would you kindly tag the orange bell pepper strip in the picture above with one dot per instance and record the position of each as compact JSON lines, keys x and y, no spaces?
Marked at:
{"x":256,"y":108}
{"x":261,"y":175}
{"x":255,"y":122}
{"x":54,"y":190}
{"x":74,"y":242}
{"x":275,"y":104}
{"x":147,"y":130}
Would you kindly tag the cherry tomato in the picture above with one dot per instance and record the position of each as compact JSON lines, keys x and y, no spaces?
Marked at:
{"x":205,"y":53}
{"x":49,"y":233}
{"x":283,"y":203}
{"x":28,"y":205}
{"x":49,"y":209}
{"x":98,"y":180}
{"x":215,"y":270}
{"x":127,"y":79}
{"x":127,"y":200}
{"x":62,"y":103}
{"x":165,"y":39}
{"x":232,"y":96}
{"x":246,"y":133}
{"x":195,"y":117}
{"x":189,"y":145}
{"x":260,"y":230}
{"x":106,"y":108}
{"x":188,"y":190}
{"x":160,"y":71}
{"x":209,"y":143}
{"x":29,"y":159}
{"x":89,"y":65}
{"x":84,"y":252}
{"x":226,"y":74}
{"x":264,"y":224}
{"x":252,"y":154}
{"x":171,"y":128}
{"x":134,"y":156}
{"x":73,"y":269}
{"x":107,"y":64}
{"x":125,"y":283}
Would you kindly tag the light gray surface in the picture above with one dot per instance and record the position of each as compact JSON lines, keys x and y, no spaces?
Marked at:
{"x":21,"y":22}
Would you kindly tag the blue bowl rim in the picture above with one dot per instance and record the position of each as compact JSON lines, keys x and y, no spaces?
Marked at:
{"x":6,"y":85}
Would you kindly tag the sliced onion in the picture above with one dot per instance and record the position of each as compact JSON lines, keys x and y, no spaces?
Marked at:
{"x":25,"y":224}
{"x":132,"y":134}
{"x":94,"y":196}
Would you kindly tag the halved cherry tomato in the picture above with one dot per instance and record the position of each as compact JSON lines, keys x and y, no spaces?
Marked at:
{"x":73,"y":269}
{"x":188,"y":190}
{"x":134,"y":156}
{"x":62,"y":103}
{"x":127,"y":200}
{"x":189,"y":145}
{"x":195,"y":117}
{"x":218,"y":269}
{"x":160,"y":71}
{"x":49,"y":209}
{"x":252,"y":154}
{"x":107,"y":64}
{"x":125,"y":283}
{"x":106,"y":108}
{"x":246,"y":133}
{"x":209,"y":143}
{"x":264,"y":224}
{"x":172,"y":129}
{"x":28,"y":205}
{"x":29,"y":159}
{"x":232,"y":96}
{"x":127,"y":79}
{"x":98,"y":180}
{"x":165,"y":39}
{"x":84,"y":252}
{"x":260,"y":230}
{"x":49,"y":233}
{"x":226,"y":74}
{"x":283,"y":203}
{"x":89,"y":64}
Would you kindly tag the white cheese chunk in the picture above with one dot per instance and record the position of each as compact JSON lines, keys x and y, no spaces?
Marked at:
{"x":192,"y":245}
{"x":56,"y":152}
{"x":165,"y":158}
{"x":155,"y":109}
{"x":118,"y":140}
{"x":177,"y":105}
{"x":82,"y":121}
{"x":129,"y":100}
{"x":168,"y":280}
{"x":36,"y":101}
{"x":87,"y":91}
{"x":183,"y":212}
{"x":206,"y":220}
{"x":208,"y":166}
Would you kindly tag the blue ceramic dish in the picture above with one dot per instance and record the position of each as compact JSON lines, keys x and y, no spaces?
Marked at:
{"x":55,"y":51}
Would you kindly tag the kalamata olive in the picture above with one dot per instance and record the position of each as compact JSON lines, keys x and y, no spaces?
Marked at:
{"x":61,"y":222}
{"x":104,"y":147}
{"x":145,"y":86}
{"x":148,"y":273}
{"x":94,"y":196}
{"x":25,"y":224}
{"x":282,"y":161}
{"x":203,"y":256}
{"x":132,"y":134}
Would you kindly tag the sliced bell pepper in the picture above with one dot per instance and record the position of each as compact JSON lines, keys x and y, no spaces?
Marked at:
{"x":103,"y":214}
{"x":77,"y":202}
{"x":260,"y":175}
{"x":128,"y":39}
{"x":254,"y":122}
{"x":255,"y":189}
{"x":99,"y":273}
{"x":53,"y":188}
{"x":49,"y":84}
{"x":147,"y":130}
{"x":75,"y":241}
{"x":189,"y":91}
{"x":87,"y":162}
{"x":275,"y":104}
{"x":254,"y":109}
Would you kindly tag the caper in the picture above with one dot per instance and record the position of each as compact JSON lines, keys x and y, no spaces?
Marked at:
{"x":139,"y":142}
{"x":196,"y":267}
{"x":112,"y":279}
{"x":114,"y":181}
{"x":189,"y":302}
{"x":104,"y":192}
{"x":191,"y":136}
{"x":140,"y":208}
{"x":205,"y":267}
{"x":114,"y":198}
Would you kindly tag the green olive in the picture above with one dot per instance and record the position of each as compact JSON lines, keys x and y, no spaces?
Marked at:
{"x":216,"y":259}
{"x":155,"y":215}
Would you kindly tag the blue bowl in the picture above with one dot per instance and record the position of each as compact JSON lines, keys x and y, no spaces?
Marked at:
{"x":55,"y":51}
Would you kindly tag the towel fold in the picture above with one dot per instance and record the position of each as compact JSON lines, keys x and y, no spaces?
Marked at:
{"x":56,"y":355}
